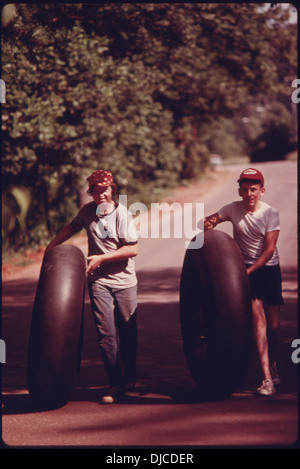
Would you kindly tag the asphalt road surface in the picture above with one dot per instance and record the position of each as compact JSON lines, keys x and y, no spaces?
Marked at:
{"x":164,"y":412}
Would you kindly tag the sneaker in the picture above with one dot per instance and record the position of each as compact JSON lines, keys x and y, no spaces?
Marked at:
{"x":274,"y":373}
{"x":112,"y":397}
{"x":267,"y":388}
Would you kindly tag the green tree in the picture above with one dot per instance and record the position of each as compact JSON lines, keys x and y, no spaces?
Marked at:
{"x":135,"y":88}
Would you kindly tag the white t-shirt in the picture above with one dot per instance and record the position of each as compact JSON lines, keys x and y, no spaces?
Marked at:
{"x":107,"y":234}
{"x":249,"y":228}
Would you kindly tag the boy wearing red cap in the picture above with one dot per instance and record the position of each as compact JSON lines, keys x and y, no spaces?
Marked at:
{"x":256,"y":229}
{"x":111,"y":277}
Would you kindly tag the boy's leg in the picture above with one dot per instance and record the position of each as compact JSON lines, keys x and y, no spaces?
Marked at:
{"x":273,"y":322}
{"x":260,"y":336}
{"x":103,"y":312}
{"x":126,"y":313}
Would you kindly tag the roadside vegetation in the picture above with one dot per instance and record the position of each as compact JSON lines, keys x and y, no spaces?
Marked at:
{"x":153,"y":92}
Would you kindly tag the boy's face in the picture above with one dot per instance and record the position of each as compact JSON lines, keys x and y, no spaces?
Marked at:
{"x":102,"y":194}
{"x":251,"y":194}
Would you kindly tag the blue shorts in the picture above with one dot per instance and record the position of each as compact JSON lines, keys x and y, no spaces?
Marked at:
{"x":265,"y":284}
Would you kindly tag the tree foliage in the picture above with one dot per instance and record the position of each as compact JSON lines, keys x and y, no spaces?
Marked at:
{"x":139,"y":89}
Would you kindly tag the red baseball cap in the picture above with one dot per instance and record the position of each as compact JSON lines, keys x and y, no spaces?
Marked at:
{"x":251,"y":174}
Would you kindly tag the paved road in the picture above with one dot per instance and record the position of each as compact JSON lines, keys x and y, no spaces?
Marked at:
{"x":164,"y":411}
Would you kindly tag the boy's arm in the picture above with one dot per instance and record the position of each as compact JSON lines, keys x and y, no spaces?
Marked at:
{"x":269,"y":247}
{"x":65,"y":233}
{"x":124,"y":252}
{"x":211,"y":221}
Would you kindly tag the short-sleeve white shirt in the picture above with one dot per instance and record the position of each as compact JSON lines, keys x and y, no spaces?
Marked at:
{"x":250,"y":228}
{"x":108,"y":234}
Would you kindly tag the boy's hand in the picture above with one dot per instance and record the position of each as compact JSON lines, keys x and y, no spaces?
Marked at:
{"x":207,"y":224}
{"x":211,"y":222}
{"x":95,"y":262}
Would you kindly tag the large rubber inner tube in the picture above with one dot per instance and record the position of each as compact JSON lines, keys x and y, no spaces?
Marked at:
{"x":56,"y":328}
{"x":215,"y":314}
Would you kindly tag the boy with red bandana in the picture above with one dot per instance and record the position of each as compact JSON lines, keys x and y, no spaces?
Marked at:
{"x":112,"y":282}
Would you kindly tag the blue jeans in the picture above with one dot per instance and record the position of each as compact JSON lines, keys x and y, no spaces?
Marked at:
{"x":114,"y":314}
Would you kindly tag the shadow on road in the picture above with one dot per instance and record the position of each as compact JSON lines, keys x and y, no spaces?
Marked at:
{"x":163,"y":376}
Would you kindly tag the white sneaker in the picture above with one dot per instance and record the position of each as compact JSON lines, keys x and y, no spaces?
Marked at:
{"x":267,"y":388}
{"x":112,"y":397}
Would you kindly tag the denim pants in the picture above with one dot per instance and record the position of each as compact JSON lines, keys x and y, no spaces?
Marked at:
{"x":114,"y":312}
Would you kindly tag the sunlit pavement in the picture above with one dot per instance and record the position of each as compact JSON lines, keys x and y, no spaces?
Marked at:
{"x":164,"y":409}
